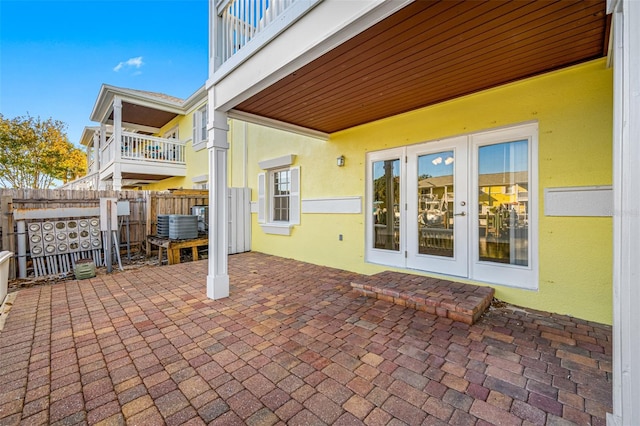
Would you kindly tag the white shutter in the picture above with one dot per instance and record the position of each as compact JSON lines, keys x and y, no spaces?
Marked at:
{"x":195,"y":128}
{"x":294,"y":197}
{"x":262,"y":190}
{"x":205,"y":128}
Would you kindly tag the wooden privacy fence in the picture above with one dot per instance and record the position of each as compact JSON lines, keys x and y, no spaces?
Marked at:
{"x":144,"y":207}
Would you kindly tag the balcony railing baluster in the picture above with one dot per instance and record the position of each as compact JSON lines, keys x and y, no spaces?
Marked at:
{"x":145,"y":148}
{"x":242,"y":20}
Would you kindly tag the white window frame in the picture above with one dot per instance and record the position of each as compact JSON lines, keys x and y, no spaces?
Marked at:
{"x":273,"y":196}
{"x":200,"y":133}
{"x":265,"y":195}
{"x":200,"y":182}
{"x":525,"y":277}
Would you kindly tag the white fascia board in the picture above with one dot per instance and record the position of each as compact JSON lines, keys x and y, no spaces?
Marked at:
{"x":196,"y":106}
{"x":86,"y":138}
{"x":100,"y":105}
{"x":198,"y":97}
{"x":152,"y":168}
{"x":277,"y":124}
{"x":326,"y":26}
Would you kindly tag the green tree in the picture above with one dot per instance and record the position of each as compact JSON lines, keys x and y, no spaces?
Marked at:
{"x":36,"y":153}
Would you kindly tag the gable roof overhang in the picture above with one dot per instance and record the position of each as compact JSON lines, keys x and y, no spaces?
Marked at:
{"x":429,"y":52}
{"x":147,"y":112}
{"x":86,"y":139}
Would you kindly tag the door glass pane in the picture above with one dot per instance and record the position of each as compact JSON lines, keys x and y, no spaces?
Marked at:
{"x":503,"y":197}
{"x":435,"y":204}
{"x":386,"y":204}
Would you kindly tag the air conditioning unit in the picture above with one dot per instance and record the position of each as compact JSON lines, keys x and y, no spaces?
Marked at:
{"x":183,"y":227}
{"x":203,"y":217}
{"x":162,"y":229}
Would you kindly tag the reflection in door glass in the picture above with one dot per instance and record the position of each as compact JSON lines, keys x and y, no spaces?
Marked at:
{"x":503,"y":198}
{"x":435,"y":204}
{"x":386,"y":204}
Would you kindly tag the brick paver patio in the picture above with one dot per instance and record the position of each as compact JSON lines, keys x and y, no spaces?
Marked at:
{"x":292,"y":345}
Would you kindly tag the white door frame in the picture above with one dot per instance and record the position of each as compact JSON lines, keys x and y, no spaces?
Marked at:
{"x":458,"y":264}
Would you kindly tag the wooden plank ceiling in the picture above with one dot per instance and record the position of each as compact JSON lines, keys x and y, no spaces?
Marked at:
{"x":145,"y":116}
{"x":432,"y":51}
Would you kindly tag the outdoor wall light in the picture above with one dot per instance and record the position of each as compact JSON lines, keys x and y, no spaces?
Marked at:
{"x":340,"y":161}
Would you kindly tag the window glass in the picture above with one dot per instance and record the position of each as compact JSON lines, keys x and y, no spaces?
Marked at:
{"x":281,"y":193}
{"x":435,"y":204}
{"x":503,"y":198}
{"x":386,"y":204}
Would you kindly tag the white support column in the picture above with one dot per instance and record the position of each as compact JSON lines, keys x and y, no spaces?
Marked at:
{"x":96,"y":153}
{"x":117,"y":141}
{"x":218,"y":146}
{"x":103,"y":142}
{"x":626,"y":232}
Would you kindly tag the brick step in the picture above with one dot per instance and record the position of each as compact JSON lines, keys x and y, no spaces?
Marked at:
{"x":449,"y":299}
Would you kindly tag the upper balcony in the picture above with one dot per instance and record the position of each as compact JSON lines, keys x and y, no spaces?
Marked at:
{"x":137,"y":140}
{"x":142,"y":158}
{"x":330,"y":65}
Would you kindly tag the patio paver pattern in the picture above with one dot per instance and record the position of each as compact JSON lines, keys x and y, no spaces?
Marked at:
{"x":293,"y":344}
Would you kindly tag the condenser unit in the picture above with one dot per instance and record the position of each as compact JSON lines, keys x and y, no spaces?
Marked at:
{"x":162,"y":229}
{"x":183,"y":227}
{"x":202,"y":212}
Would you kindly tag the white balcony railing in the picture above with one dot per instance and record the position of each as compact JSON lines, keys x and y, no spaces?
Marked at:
{"x":150,"y":148}
{"x":138,"y":147}
{"x":242,"y":20}
{"x":90,"y":181}
{"x":107,"y":152}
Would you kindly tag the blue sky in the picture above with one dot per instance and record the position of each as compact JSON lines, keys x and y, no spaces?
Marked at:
{"x":55,"y":55}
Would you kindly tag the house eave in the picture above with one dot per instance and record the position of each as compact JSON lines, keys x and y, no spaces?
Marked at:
{"x":104,"y":102}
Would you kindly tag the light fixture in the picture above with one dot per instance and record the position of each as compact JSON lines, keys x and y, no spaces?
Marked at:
{"x":340,"y":161}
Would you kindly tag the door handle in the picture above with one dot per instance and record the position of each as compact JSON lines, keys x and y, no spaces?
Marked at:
{"x":460,"y":214}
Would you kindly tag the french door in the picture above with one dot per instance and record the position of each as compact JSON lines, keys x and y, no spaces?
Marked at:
{"x":420,"y":210}
{"x":464,"y":206}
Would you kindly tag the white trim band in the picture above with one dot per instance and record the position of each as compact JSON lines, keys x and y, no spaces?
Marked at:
{"x":336,"y":205}
{"x":588,"y":201}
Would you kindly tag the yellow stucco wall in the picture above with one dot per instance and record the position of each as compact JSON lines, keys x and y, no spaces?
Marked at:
{"x":573,"y":108}
{"x":196,"y":161}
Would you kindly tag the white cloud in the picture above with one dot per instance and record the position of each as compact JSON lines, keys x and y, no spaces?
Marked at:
{"x":129,"y":63}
